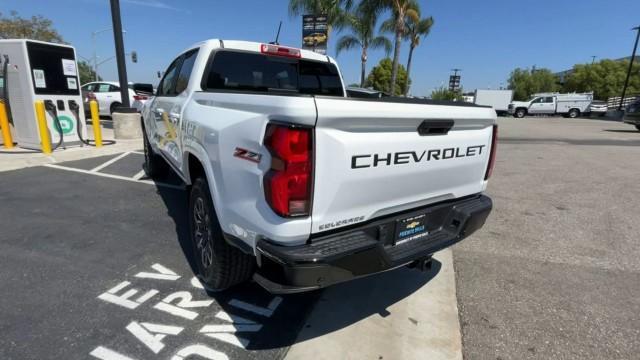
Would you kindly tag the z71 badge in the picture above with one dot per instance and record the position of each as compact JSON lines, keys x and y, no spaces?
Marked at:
{"x":247,"y":155}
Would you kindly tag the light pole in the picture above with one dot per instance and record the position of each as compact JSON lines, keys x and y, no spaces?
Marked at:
{"x":633,"y":56}
{"x":122,"y":66}
{"x":94,"y":61}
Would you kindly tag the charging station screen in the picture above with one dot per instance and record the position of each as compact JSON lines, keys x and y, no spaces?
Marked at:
{"x":53,"y":69}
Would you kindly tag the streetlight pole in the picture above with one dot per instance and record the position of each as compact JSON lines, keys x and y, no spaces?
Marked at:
{"x":633,"y":56}
{"x":94,"y":59}
{"x":122,"y":66}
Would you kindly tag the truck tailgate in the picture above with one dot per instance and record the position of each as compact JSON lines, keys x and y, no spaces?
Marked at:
{"x":372,"y":161}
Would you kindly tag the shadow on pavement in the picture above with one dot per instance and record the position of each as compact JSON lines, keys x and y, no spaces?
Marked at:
{"x":362,"y":297}
{"x":372,"y":295}
{"x":621,"y":131}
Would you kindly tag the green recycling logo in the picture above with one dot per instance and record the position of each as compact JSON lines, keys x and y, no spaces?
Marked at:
{"x":66,"y":124}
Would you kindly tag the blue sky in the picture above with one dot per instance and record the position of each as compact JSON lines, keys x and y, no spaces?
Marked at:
{"x":487,"y":39}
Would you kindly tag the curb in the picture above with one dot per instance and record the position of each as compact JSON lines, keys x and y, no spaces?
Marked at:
{"x":400,"y":314}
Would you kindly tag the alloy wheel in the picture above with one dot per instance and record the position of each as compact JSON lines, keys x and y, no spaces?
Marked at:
{"x":202,"y":232}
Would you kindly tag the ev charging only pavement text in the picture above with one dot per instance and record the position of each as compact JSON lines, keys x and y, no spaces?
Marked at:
{"x":227,"y":326}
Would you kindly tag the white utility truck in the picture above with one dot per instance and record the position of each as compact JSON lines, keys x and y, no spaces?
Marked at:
{"x":295,"y":184}
{"x":499,"y":100}
{"x":567,"y":105}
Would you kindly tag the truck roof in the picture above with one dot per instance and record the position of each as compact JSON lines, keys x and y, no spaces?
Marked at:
{"x":255,"y":47}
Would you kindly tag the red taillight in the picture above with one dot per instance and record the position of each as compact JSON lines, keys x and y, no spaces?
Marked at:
{"x":140,"y":97}
{"x":492,"y":154}
{"x":288,"y":183}
{"x":272,"y":49}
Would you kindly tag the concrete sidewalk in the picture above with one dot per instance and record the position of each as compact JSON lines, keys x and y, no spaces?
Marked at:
{"x":402,"y":314}
{"x":18,"y":158}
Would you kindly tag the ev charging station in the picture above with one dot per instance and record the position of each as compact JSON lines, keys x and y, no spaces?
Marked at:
{"x":36,"y":70}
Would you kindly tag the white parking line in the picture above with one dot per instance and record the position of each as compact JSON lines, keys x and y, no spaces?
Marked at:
{"x":107,"y":163}
{"x":267,"y":312}
{"x":230,"y":339}
{"x":89,"y":172}
{"x":231,"y":328}
{"x":106,"y":354}
{"x":222,"y":315}
{"x":139,"y":175}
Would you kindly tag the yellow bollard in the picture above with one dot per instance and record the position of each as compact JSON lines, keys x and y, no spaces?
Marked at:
{"x":41,"y":116}
{"x":4,"y":125}
{"x":95,"y":122}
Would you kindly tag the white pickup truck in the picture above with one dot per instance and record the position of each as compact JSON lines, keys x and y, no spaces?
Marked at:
{"x":567,"y":105}
{"x":299,"y":187}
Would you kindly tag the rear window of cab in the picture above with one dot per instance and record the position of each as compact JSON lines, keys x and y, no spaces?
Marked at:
{"x":252,"y":72}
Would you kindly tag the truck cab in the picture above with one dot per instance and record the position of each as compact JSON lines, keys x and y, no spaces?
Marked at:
{"x":543,"y":105}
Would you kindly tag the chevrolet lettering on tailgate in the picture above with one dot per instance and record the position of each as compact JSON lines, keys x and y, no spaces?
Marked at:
{"x":406,"y":157}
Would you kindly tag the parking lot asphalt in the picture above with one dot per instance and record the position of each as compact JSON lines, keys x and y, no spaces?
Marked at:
{"x":554,"y":274}
{"x":95,"y":262}
{"x":76,"y":247}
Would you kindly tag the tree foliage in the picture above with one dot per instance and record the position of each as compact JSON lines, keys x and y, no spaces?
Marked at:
{"x":36,"y":28}
{"x":443,"y":93}
{"x":604,"y":78}
{"x":401,"y":12}
{"x":362,"y":23}
{"x":86,"y":73}
{"x":414,"y":32}
{"x":525,"y":82}
{"x":380,"y":77}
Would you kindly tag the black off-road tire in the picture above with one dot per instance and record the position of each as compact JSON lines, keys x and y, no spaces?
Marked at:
{"x":219,"y":264}
{"x":154,"y":166}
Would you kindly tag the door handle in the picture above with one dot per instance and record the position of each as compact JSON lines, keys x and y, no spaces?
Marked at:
{"x":435,"y":127}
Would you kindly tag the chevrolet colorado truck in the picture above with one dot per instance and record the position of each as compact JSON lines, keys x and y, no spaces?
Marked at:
{"x":298,"y":186}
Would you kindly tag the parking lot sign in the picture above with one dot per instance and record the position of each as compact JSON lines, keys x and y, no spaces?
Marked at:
{"x":454,"y":82}
{"x":315,"y":34}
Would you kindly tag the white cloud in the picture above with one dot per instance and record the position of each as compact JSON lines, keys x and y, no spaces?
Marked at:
{"x":154,"y":4}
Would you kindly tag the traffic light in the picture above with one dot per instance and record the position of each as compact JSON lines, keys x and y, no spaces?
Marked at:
{"x":134,"y":57}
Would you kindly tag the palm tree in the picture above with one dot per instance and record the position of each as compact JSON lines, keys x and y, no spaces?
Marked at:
{"x":414,"y":32}
{"x":402,"y":11}
{"x":334,"y":9}
{"x":362,"y":23}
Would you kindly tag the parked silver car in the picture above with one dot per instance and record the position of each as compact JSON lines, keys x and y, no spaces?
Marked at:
{"x":598,"y":107}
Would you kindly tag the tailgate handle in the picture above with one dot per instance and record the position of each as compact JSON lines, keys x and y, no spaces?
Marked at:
{"x":435,"y":127}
